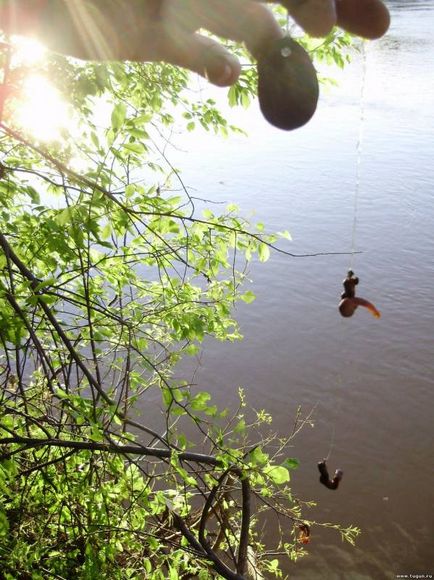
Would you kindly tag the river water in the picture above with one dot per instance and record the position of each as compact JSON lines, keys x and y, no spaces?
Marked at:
{"x":370,"y":382}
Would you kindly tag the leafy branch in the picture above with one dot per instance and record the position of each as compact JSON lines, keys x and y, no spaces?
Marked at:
{"x":110,"y":466}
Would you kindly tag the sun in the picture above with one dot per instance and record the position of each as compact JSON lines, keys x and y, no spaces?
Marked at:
{"x":41,"y":111}
{"x":37,"y":107}
{"x":27,"y":51}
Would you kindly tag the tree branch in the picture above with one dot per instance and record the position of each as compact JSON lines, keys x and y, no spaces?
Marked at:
{"x":111,"y":448}
{"x":242,"y":558}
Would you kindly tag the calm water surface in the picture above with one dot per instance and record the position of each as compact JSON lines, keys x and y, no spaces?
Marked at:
{"x":371,"y":382}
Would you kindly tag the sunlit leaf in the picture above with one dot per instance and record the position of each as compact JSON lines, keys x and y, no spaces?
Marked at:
{"x":118,"y":116}
{"x":278,"y":474}
{"x":263,"y":252}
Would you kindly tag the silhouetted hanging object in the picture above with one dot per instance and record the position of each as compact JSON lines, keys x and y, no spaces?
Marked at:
{"x":303,"y":534}
{"x":350,"y":302}
{"x":325,"y":478}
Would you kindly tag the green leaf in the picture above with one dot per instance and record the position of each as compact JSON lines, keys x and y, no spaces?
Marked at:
{"x":258,"y":456}
{"x":167,"y":396}
{"x":278,"y":474}
{"x":33,"y":194}
{"x":232,"y":208}
{"x":208,"y":214}
{"x":263,"y":252}
{"x":118,"y":116}
{"x":248,"y":297}
{"x":285,"y":234}
{"x":96,"y":434}
{"x":63,"y":217}
{"x":106,"y":231}
{"x":232,"y":95}
{"x":44,"y":284}
{"x":95,"y":140}
{"x":138,"y":148}
{"x":130,"y":190}
{"x":199,"y":402}
{"x":4,"y":524}
{"x":191,"y":349}
{"x":291,"y":463}
{"x":240,"y":427}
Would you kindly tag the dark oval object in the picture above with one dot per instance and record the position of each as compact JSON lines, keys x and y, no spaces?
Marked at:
{"x":287,"y":84}
{"x":347,"y":307}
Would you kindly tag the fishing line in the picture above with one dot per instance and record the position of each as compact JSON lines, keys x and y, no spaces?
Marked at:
{"x":357,"y":187}
{"x":359,"y":151}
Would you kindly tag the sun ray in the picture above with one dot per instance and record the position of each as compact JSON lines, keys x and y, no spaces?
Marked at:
{"x":89,"y":23}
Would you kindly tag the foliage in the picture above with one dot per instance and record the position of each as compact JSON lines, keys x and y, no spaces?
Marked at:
{"x":109,"y":275}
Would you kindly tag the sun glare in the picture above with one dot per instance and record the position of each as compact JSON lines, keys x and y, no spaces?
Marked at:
{"x":28,"y":51}
{"x":42,"y":112}
{"x":39,"y":109}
